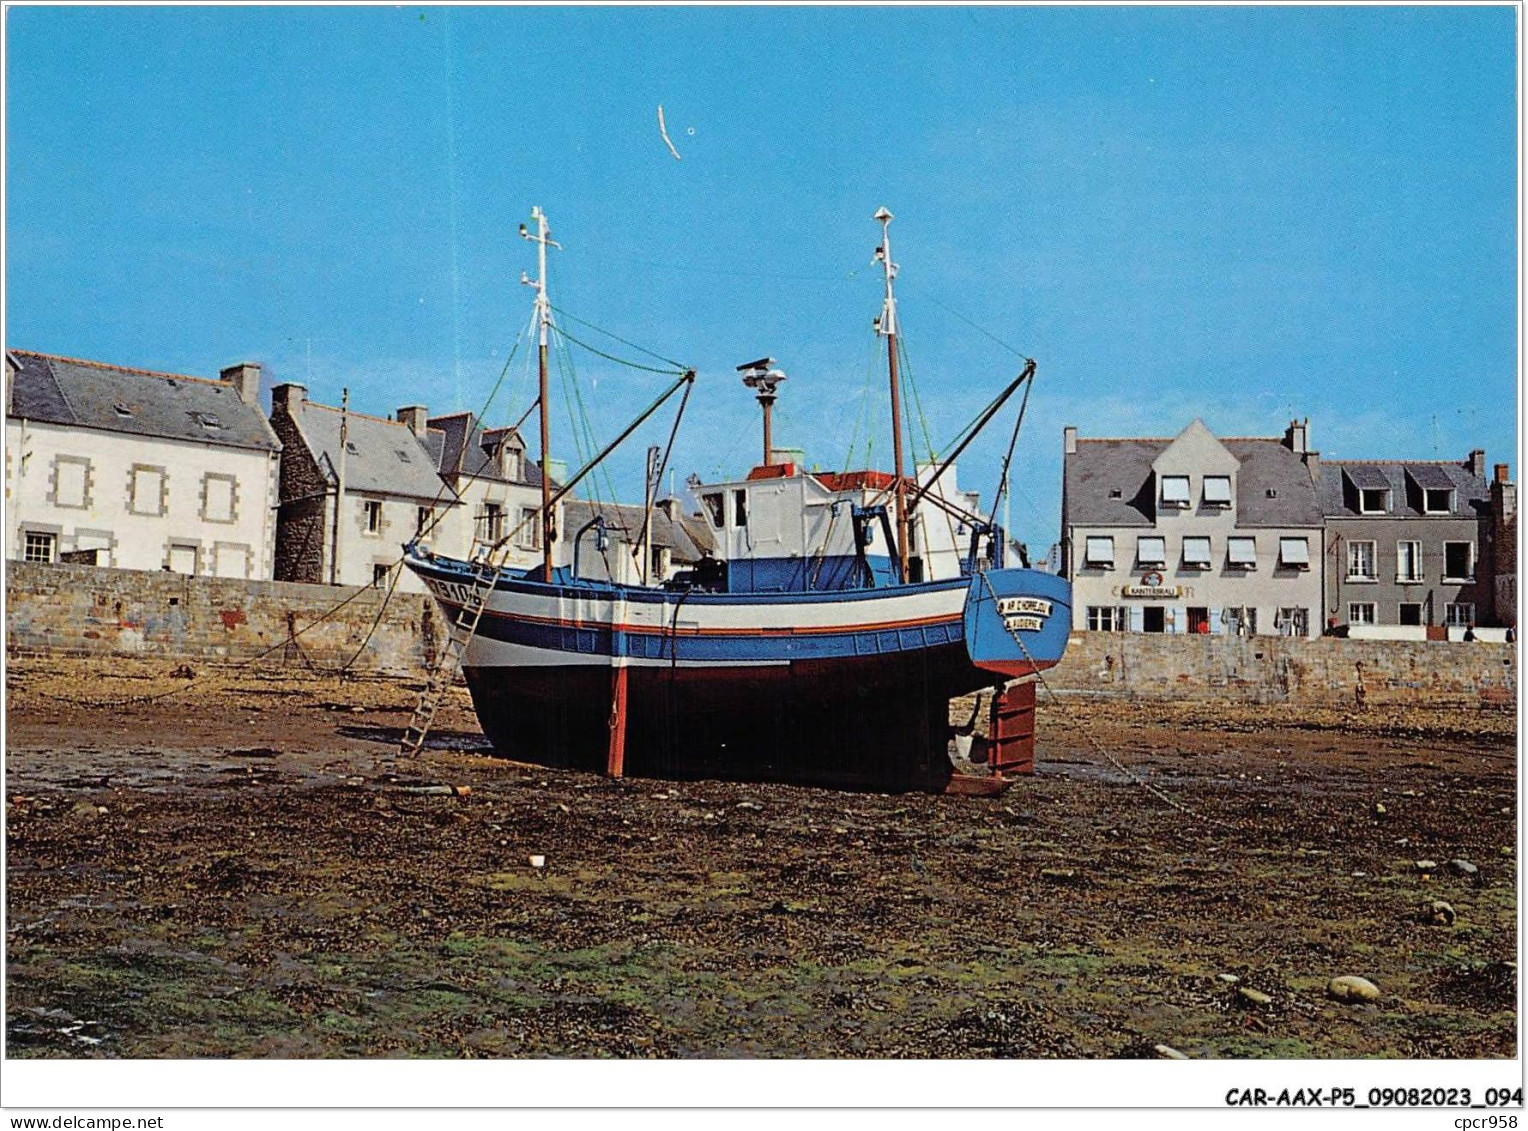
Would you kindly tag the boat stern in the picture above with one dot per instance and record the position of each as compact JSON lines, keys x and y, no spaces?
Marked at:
{"x":1017,"y":620}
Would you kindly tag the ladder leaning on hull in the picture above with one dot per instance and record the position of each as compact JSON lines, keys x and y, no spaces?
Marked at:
{"x":443,"y":671}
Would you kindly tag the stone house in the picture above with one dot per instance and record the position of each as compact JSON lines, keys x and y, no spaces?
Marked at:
{"x":498,"y":485}
{"x":1193,"y":534}
{"x":1408,"y":545}
{"x":115,"y":466}
{"x":348,"y":507}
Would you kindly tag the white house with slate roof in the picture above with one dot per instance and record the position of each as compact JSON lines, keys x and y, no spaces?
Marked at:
{"x":136,"y":469}
{"x":347,"y":507}
{"x":1193,"y":534}
{"x":499,"y":487}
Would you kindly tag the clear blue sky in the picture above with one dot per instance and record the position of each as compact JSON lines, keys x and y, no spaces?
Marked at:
{"x":1236,"y":213}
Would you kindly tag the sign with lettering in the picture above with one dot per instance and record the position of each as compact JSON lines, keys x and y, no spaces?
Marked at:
{"x":1032,"y":605}
{"x":1160,"y":591}
{"x":1023,"y":623}
{"x":454,"y":592}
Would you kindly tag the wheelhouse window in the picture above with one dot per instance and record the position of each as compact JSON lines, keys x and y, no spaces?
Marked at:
{"x":1361,"y":612}
{"x":1196,"y":553}
{"x":1217,"y":490}
{"x":1241,"y":552}
{"x":715,"y":508}
{"x":1100,"y":552}
{"x":1361,"y":562}
{"x":1408,"y":562}
{"x":1151,"y":551}
{"x":1294,"y":553}
{"x":1175,"y":491}
{"x":1458,"y":561}
{"x":740,"y":508}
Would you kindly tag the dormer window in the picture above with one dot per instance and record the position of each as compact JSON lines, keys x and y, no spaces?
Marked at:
{"x":1374,"y":500}
{"x":1217,"y":490}
{"x":1437,"y":500}
{"x":351,"y":448}
{"x":1175,"y":491}
{"x":403,"y":456}
{"x":509,"y":462}
{"x":207,"y":420}
{"x":121,"y":409}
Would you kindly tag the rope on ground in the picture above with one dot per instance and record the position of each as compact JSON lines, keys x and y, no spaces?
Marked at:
{"x":1097,"y":746}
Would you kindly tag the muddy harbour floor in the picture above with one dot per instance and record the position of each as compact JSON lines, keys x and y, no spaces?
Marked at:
{"x":221,"y":873}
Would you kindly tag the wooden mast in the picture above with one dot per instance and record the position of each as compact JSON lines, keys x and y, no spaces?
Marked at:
{"x":542,"y":239}
{"x":887,"y":325}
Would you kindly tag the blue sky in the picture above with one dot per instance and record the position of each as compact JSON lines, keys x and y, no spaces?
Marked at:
{"x":1241,"y":214}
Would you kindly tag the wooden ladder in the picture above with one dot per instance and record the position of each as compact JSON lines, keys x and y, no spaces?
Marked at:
{"x":443,"y":672}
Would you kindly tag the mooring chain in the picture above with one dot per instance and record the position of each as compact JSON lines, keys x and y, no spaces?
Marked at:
{"x":1094,"y":743}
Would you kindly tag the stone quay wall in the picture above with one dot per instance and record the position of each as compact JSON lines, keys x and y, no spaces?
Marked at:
{"x":89,"y":610}
{"x":1327,"y":671}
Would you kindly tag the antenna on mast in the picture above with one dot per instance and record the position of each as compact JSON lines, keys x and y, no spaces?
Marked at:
{"x":542,"y":238}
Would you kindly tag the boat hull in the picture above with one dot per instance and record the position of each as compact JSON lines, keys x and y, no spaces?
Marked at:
{"x":842,"y":689}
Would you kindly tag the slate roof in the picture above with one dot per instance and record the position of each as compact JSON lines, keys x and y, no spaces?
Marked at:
{"x":625,"y":522}
{"x":384,"y":456}
{"x":138,"y":402}
{"x":463,"y":427}
{"x":1102,"y":466}
{"x":1471,"y":493}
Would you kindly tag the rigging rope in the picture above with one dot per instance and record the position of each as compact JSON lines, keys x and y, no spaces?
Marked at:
{"x":680,"y":366}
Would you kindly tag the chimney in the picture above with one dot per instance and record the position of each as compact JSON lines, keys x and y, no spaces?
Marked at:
{"x":1501,"y":474}
{"x":1297,"y":436}
{"x":1477,"y":463}
{"x":416,"y":416}
{"x":1503,"y":496}
{"x":1069,"y":440}
{"x":245,"y":378}
{"x":289,"y":397}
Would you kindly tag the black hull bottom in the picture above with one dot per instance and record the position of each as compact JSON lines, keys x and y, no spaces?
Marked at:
{"x":868,"y":723}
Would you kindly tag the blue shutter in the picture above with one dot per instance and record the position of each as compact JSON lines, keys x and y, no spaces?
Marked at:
{"x":1216,"y":627}
{"x":1137,"y":619}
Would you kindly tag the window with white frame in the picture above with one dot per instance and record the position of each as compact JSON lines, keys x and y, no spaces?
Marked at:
{"x":530,"y":528}
{"x":1458,"y":561}
{"x":1459,"y":613}
{"x":1241,"y":552}
{"x":1373,"y":500}
{"x":1361,"y":612}
{"x":1100,"y":552}
{"x":1151,"y":550}
{"x":373,"y":516}
{"x":1240,"y":620}
{"x":1175,"y":491}
{"x":423,"y":523}
{"x":1107,"y":618}
{"x":1217,"y":490}
{"x":1196,"y":552}
{"x":1294,"y":553}
{"x":40,"y":546}
{"x":1361,"y":562}
{"x":1437,"y":500}
{"x":1408,"y":561}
